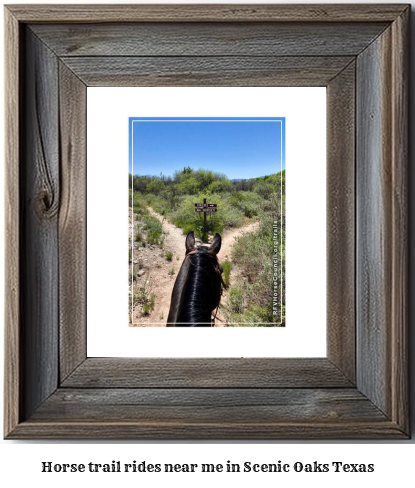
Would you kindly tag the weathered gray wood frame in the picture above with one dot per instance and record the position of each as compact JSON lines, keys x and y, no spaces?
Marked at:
{"x":359,"y":52}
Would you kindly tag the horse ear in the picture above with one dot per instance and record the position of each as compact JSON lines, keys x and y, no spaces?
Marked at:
{"x":190,"y":241}
{"x":216,"y":244}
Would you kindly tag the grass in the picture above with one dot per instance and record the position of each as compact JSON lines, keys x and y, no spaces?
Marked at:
{"x":235,"y":302}
{"x":133,"y":274}
{"x":240,"y":307}
{"x":227,"y":266}
{"x":142,"y":295}
{"x":169,"y":255}
{"x":250,"y":300}
{"x":149,"y":305}
{"x":138,"y":237}
{"x":171,"y":271}
{"x":154,"y":230}
{"x":253,"y":253}
{"x":138,"y":205}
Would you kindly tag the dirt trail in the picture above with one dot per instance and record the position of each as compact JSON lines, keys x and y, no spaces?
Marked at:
{"x":228,"y":239}
{"x":159,"y":276}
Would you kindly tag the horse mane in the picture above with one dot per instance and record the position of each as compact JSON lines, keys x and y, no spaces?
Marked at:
{"x":198,"y":286}
{"x":202,"y":290}
{"x":178,"y":293}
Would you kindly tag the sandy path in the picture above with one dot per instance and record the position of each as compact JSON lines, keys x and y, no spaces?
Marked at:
{"x":158,"y":272}
{"x":228,"y":239}
{"x":158,"y":269}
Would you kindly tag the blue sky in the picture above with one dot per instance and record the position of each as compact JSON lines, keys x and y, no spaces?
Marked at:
{"x":240,"y":148}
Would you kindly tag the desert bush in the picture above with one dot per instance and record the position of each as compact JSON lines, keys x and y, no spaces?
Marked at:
{"x":142,"y":295}
{"x":154,"y":230}
{"x":227,"y":266}
{"x":254,"y":254}
{"x":137,"y":203}
{"x":226,"y":216}
{"x":148,"y":306}
{"x":249,"y":203}
{"x":235,"y":302}
{"x":242,"y":310}
{"x":138,"y":236}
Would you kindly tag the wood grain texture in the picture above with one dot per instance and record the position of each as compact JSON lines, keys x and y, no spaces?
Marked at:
{"x":72,"y":222}
{"x":148,"y":429}
{"x":206,"y":71}
{"x":373,"y":223}
{"x":400,"y":263}
{"x":201,"y":39}
{"x":207,"y":13}
{"x":206,"y":373}
{"x":12,"y":383}
{"x":199,"y":398}
{"x":40,"y":205}
{"x":382,"y":223}
{"x":341,"y":238}
{"x":209,"y":405}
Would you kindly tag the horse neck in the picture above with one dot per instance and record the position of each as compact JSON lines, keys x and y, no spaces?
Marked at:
{"x":201,"y":294}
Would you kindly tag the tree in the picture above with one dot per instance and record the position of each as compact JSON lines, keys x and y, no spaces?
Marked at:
{"x":156,"y":186}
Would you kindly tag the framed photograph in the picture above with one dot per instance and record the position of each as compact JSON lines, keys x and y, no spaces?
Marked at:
{"x":150,"y":131}
{"x":224,"y":224}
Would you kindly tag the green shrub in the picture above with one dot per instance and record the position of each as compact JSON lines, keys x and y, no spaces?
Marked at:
{"x":227,"y":266}
{"x":235,"y":301}
{"x":247,"y":202}
{"x":169,"y":255}
{"x":226,"y":216}
{"x":148,"y":306}
{"x":138,"y":204}
{"x":133,"y":273}
{"x":155,"y":229}
{"x":186,"y":228}
{"x":143,"y":296}
{"x":250,"y":210}
{"x":254,"y":254}
{"x":265,"y":188}
{"x":138,"y":237}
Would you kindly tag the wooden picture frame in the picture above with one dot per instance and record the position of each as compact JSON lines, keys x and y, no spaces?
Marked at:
{"x":360,"y":53}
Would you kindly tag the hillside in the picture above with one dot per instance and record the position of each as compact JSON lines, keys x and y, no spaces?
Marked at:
{"x":163,"y":212}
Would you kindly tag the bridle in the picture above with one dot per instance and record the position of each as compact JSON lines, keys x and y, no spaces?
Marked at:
{"x":222,"y":284}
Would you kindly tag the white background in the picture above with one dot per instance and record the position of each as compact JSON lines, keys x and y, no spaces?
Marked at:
{"x":20,"y":461}
{"x":304,"y":110}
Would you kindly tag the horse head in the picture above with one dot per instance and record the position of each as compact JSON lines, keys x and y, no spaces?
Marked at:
{"x":198,"y":287}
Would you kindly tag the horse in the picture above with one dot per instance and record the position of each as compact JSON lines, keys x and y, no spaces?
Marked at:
{"x":198,"y":287}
